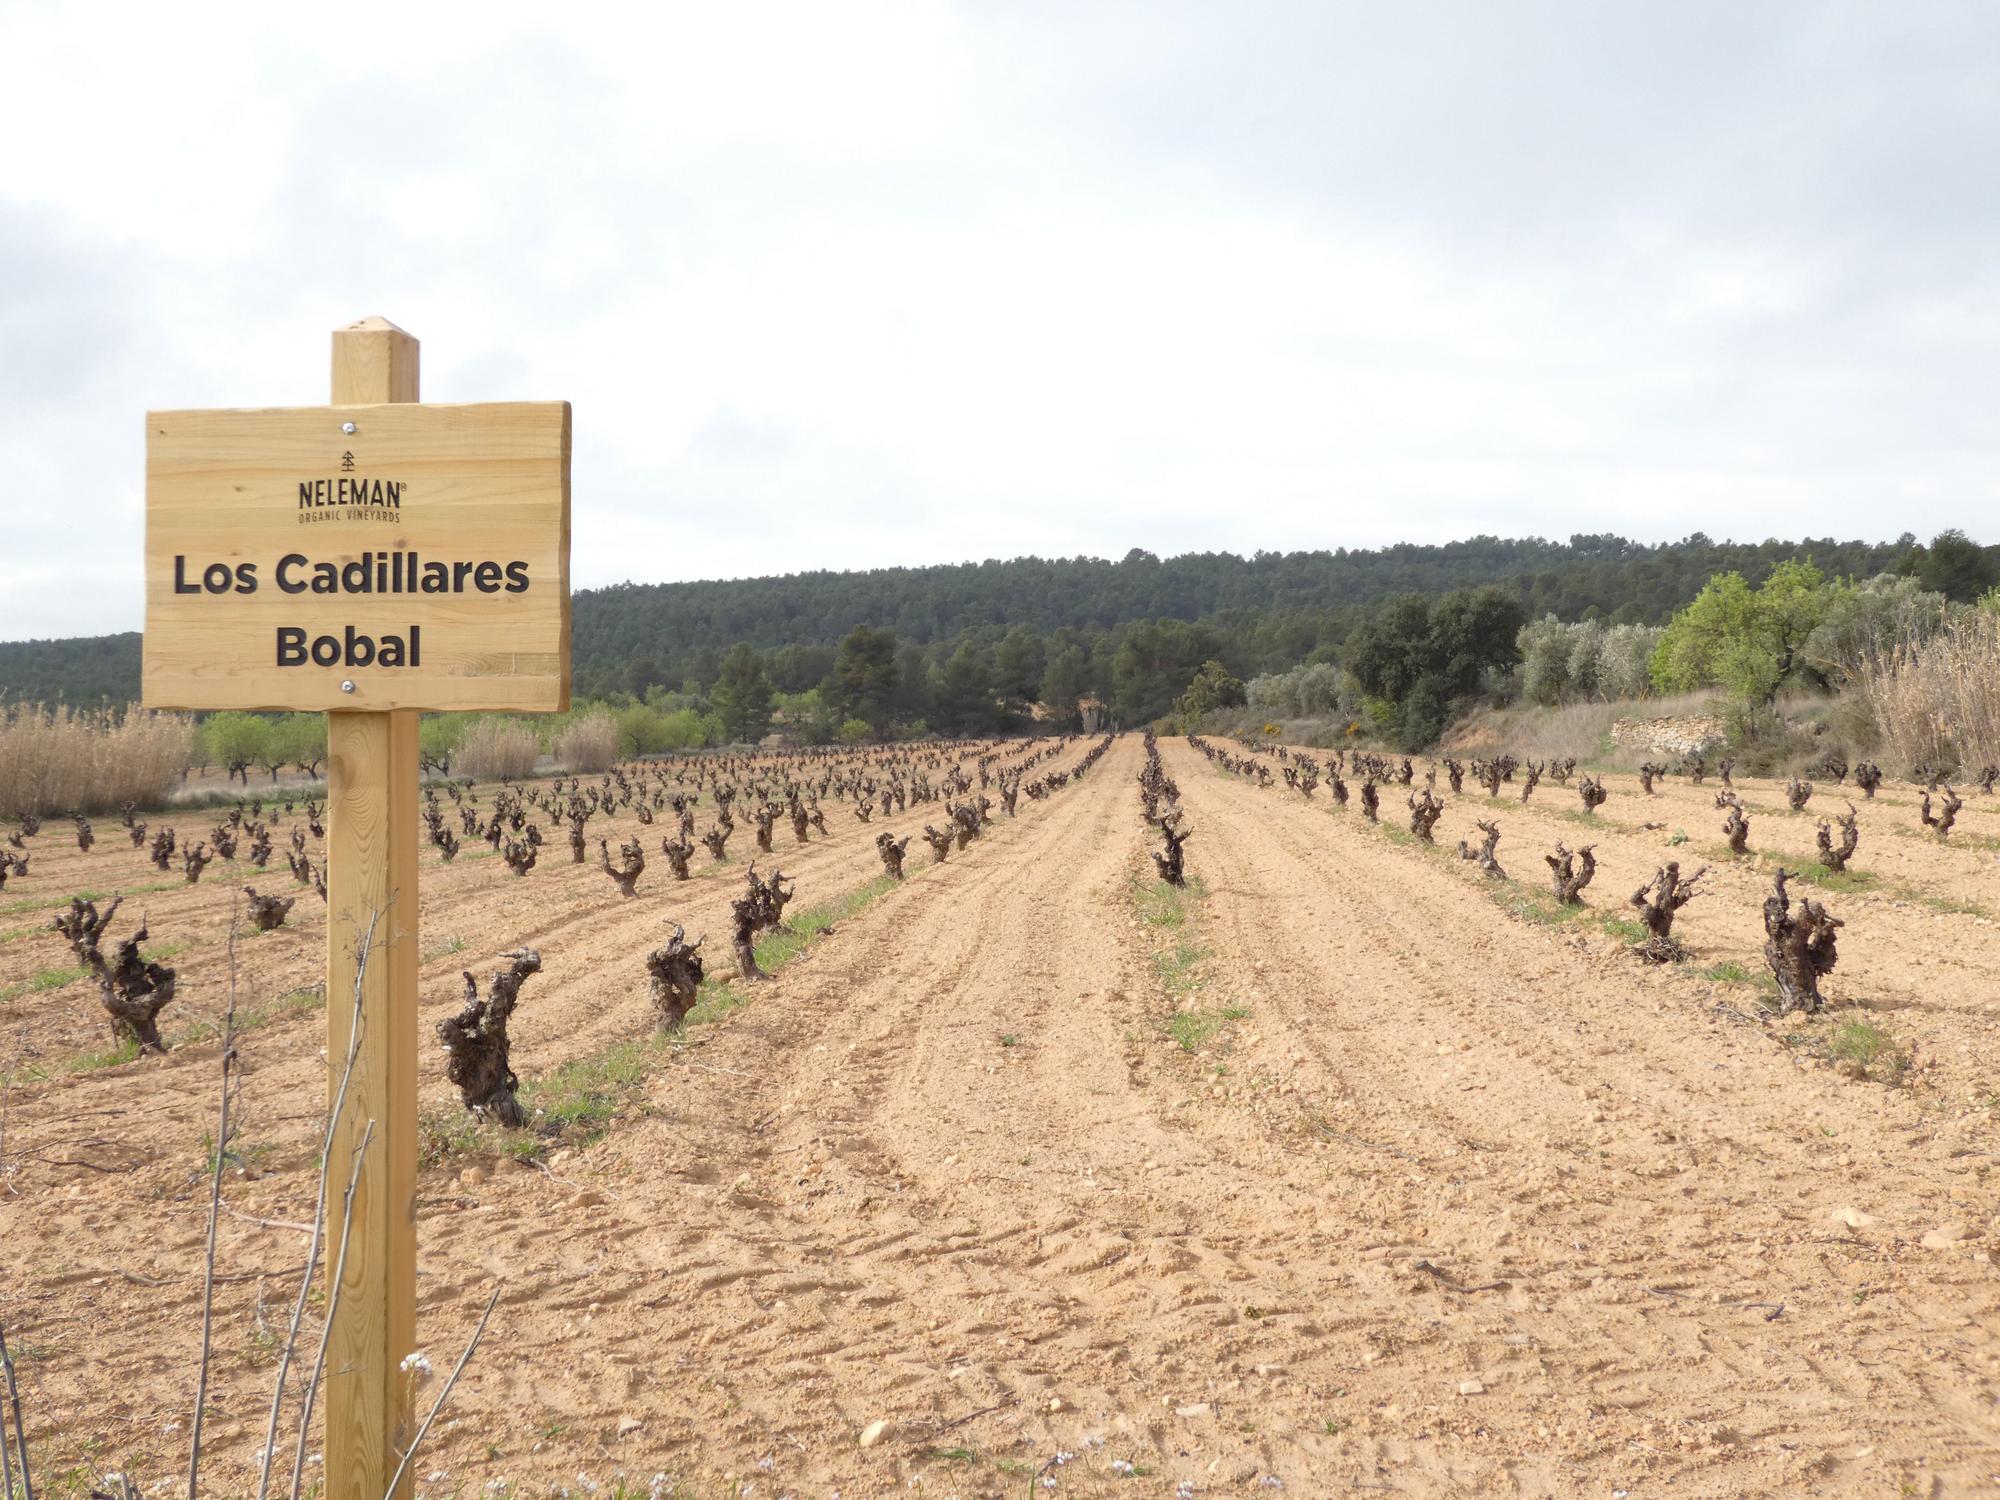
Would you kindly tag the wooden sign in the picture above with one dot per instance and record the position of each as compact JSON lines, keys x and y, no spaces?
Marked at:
{"x":373,"y":558}
{"x":358,"y":557}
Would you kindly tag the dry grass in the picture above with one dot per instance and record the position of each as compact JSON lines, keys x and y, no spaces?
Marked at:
{"x":1936,"y":703}
{"x":493,"y":748}
{"x":58,"y":760}
{"x":1579,"y":730}
{"x":588,"y":743}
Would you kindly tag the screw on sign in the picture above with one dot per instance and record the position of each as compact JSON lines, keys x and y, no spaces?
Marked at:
{"x":372,"y":559}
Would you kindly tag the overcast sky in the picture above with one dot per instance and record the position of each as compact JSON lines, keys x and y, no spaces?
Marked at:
{"x":847,"y":285}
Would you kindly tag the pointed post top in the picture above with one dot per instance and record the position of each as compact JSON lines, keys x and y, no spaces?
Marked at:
{"x":373,"y":361}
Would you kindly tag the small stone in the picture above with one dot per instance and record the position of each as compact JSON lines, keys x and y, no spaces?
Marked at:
{"x":628,"y":1425}
{"x":1056,"y":1403}
{"x":1471,"y":1387}
{"x":1944,"y":1237}
{"x":472,"y":1177}
{"x":1269,"y":1369}
{"x":588,"y":1198}
{"x":873,"y":1433}
{"x":1195,"y":1409}
{"x":1853,"y":1218}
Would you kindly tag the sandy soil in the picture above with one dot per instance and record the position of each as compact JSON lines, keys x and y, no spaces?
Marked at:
{"x":1442,"y":1200}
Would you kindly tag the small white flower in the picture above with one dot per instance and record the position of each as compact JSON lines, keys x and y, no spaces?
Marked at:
{"x":418,"y":1364}
{"x":1064,"y":1457}
{"x":1122,"y":1466}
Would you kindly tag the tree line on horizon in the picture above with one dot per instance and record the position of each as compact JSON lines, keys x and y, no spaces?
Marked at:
{"x":969,"y":649}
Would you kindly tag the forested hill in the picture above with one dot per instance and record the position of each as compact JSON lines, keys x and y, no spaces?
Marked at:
{"x":1274,"y":608}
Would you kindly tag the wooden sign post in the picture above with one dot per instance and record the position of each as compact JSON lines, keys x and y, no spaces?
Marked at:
{"x":373,"y":559}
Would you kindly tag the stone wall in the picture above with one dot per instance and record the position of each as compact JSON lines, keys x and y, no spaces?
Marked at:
{"x":1695,"y":734}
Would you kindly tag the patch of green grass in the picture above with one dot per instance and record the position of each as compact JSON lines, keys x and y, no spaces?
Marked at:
{"x":1729,"y":971}
{"x":450,"y":943}
{"x":55,"y":979}
{"x":253,"y":1017}
{"x":1837,"y":880}
{"x":1166,"y":909}
{"x":43,"y":903}
{"x":1539,"y":907}
{"x":1949,"y":906}
{"x":50,"y":903}
{"x":1877,"y":1052}
{"x":119,"y":1052}
{"x":445,"y":1133}
{"x":1191,"y":1028}
{"x":580,"y":1100}
{"x":1578,"y":815}
{"x":243,"y":1153}
{"x":1623,"y":928}
{"x":778,"y":948}
{"x":1010,"y":1039}
{"x":1177,"y":956}
{"x":716,"y":998}
{"x":1163,"y":905}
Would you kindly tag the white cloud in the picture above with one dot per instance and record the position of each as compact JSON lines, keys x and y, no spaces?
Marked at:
{"x":848,"y":285}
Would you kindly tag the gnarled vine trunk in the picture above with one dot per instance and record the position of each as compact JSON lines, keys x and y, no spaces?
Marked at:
{"x":1799,"y":946}
{"x":476,"y":1041}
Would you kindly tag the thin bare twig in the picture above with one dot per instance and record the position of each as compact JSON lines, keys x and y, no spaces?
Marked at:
{"x":6,"y":1461}
{"x":364,"y":946}
{"x":267,"y":1223}
{"x":222,"y":1277}
{"x":332,"y":1305}
{"x":973,"y":1416}
{"x":214,"y":1213}
{"x":1445,"y":1279}
{"x":20,"y":1436}
{"x":438,"y":1405}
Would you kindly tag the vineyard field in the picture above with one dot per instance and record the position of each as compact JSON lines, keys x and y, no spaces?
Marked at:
{"x":1346,"y":1166}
